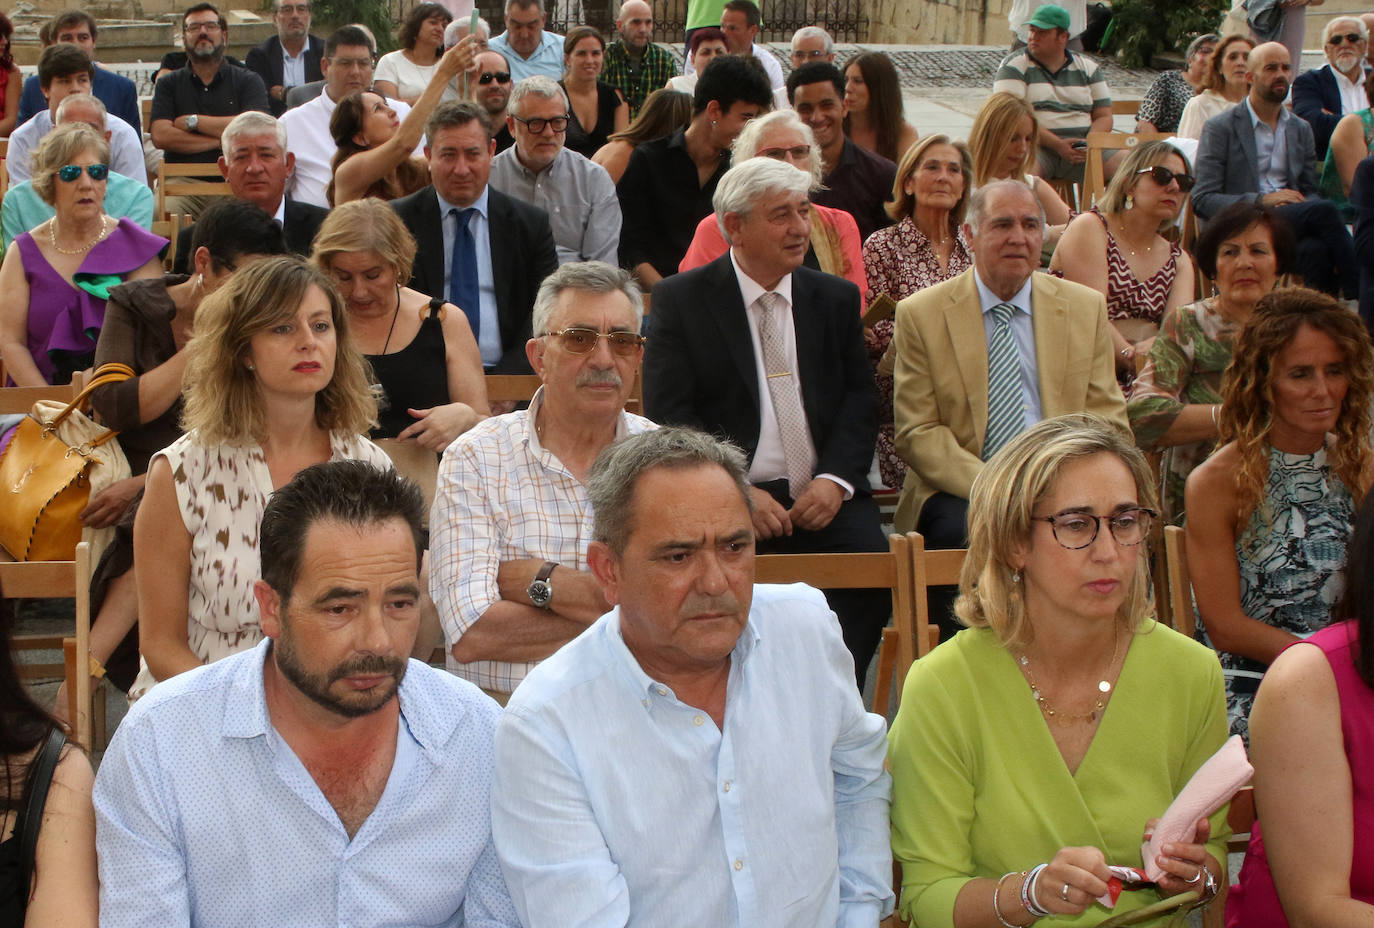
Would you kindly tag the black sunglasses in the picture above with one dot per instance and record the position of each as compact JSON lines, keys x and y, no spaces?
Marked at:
{"x":1162,"y":175}
{"x":70,"y":172}
{"x":501,"y":77}
{"x":1354,"y":38}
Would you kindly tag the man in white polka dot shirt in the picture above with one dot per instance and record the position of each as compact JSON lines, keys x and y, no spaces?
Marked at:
{"x":322,"y":778}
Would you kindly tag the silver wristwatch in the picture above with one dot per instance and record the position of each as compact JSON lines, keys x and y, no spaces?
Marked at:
{"x":540,"y":591}
{"x":191,"y":122}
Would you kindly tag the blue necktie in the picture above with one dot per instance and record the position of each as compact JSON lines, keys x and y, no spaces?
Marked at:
{"x":462,"y":275}
{"x":1006,"y":403}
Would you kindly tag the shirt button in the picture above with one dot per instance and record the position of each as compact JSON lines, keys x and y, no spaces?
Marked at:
{"x":727,"y":786}
{"x":739,"y":864}
{"x":697,"y":720}
{"x":662,"y":691}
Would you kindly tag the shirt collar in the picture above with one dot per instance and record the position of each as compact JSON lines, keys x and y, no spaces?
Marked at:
{"x":1256,"y":122}
{"x":987,"y":299}
{"x":480,"y":204}
{"x":532,"y":433}
{"x":641,"y":682}
{"x":280,"y":214}
{"x":751,"y":289}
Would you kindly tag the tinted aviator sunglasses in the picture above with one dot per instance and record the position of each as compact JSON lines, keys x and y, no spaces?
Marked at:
{"x":1162,"y":175}
{"x":1354,"y":38}
{"x":70,"y":172}
{"x":579,"y":340}
{"x":501,"y":77}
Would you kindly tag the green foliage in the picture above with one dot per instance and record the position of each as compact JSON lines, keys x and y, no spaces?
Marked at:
{"x":1142,"y":29}
{"x":378,"y":15}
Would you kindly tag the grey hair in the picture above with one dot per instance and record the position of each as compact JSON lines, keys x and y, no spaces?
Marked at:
{"x":746,"y":144}
{"x":524,"y":5}
{"x":978,"y":200}
{"x":814,"y":32}
{"x":584,"y":277}
{"x":536,"y":85}
{"x":617,"y":469}
{"x":1360,"y":27}
{"x":750,"y":181}
{"x":252,"y":122}
{"x":453,"y":29}
{"x":77,"y":99}
{"x":1207,"y":38}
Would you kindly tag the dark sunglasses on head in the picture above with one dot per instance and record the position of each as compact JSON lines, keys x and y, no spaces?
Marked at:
{"x":579,"y":340}
{"x":70,"y":172}
{"x":501,"y":77}
{"x":1354,"y":38}
{"x":1162,"y":175}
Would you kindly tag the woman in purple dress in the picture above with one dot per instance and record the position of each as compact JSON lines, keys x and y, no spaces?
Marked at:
{"x":57,"y":276}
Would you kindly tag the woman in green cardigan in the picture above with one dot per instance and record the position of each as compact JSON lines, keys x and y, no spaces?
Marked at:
{"x":1034,"y":748}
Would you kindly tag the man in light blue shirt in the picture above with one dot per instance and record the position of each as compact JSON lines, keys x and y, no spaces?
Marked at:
{"x":632,"y":785}
{"x":527,"y":46}
{"x":320,"y":779}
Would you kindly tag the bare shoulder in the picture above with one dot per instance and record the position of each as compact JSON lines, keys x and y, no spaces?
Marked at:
{"x":1211,"y":487}
{"x":75,"y":777}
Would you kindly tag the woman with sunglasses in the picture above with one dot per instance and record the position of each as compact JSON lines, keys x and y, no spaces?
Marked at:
{"x":595,"y":108}
{"x":1118,"y":249}
{"x":57,"y":276}
{"x":1033,"y":749}
{"x":375,"y":156}
{"x":1270,"y":512}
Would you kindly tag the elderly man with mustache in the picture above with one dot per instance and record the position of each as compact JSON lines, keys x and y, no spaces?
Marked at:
{"x":511,"y":517}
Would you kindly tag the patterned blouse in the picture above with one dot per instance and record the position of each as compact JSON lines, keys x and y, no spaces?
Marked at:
{"x":1128,"y":297}
{"x":1185,"y":365}
{"x":1163,"y":103}
{"x":899,"y":261}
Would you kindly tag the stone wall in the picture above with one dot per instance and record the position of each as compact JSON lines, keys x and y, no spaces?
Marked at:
{"x":939,"y":22}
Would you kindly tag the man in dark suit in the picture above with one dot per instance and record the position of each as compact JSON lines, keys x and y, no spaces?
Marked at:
{"x":1323,"y":95}
{"x":256,"y":163}
{"x":769,"y":354}
{"x":291,"y":58}
{"x":478,"y":248}
{"x":1259,"y":151}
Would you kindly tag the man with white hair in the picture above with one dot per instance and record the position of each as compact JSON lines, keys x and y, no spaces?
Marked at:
{"x":635,"y":65}
{"x":811,"y":43}
{"x":577,"y":194}
{"x":1323,"y":95}
{"x":758,"y":349}
{"x":23,"y":209}
{"x":453,"y":34}
{"x":509,"y":576}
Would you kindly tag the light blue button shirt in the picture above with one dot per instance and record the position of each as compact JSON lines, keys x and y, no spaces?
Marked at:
{"x":616,"y":804}
{"x":546,"y":60}
{"x":489,"y":340}
{"x":293,"y":67}
{"x":205,"y":816}
{"x":1023,"y":332}
{"x":1271,"y":150}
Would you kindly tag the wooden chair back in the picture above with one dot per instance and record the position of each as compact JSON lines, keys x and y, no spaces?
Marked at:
{"x":196,"y":179}
{"x":19,"y":400}
{"x":931,"y":568}
{"x":1180,"y":586}
{"x":170,"y":229}
{"x":1094,"y":178}
{"x":1125,"y":107}
{"x":853,"y":571}
{"x":1067,"y":191}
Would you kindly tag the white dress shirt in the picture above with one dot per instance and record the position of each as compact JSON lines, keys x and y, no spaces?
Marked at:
{"x":1023,"y":333}
{"x":126,"y":148}
{"x":1353,"y":98}
{"x":307,"y":134}
{"x":614,"y":803}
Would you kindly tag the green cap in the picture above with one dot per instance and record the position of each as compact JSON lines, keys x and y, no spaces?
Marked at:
{"x":1050,"y":16}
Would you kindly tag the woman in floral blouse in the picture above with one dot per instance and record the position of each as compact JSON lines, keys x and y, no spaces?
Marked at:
{"x":925,"y":247}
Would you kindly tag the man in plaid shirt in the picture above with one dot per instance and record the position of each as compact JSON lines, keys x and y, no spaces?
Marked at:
{"x":634,"y":64}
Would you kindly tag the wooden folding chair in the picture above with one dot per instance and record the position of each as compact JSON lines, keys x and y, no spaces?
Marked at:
{"x":170,"y":229}
{"x":855,"y":571}
{"x":1125,"y":107}
{"x":194,"y":179}
{"x":1094,"y":177}
{"x":60,"y":580}
{"x":1180,"y":586}
{"x":931,"y":568}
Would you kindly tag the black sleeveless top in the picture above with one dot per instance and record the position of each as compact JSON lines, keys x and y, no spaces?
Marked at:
{"x":416,"y":377}
{"x":14,"y":882}
{"x":586,"y":141}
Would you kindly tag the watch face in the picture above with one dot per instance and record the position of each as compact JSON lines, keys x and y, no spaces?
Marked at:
{"x":540,"y":593}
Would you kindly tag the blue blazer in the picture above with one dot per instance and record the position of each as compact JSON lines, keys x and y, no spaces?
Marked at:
{"x":265,"y":61}
{"x":1228,"y":168}
{"x":1314,"y":91}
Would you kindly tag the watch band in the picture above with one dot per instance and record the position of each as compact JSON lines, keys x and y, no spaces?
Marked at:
{"x":540,"y":591}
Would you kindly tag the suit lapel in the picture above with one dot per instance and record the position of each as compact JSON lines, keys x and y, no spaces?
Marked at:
{"x":726,"y":307}
{"x":1049,"y":322}
{"x":500,"y":231}
{"x":433,"y":258}
{"x":1245,"y":134}
{"x":968,"y":345}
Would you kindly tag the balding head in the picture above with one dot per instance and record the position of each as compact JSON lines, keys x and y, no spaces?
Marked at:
{"x":636,"y":24}
{"x":82,"y":107}
{"x":1271,"y":73}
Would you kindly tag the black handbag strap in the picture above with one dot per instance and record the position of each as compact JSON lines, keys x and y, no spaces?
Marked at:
{"x":36,"y":796}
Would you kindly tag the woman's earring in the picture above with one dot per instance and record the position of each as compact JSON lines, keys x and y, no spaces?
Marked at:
{"x":1016,"y":576}
{"x":1130,"y":201}
{"x":251,"y":368}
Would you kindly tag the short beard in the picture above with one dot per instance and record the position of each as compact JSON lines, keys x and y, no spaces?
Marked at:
{"x":317,"y":686}
{"x":199,"y":55}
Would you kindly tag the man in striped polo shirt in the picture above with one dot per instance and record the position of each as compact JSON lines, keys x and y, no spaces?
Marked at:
{"x":1067,"y":91}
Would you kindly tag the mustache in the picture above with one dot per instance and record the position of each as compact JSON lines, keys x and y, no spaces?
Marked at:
{"x":369,"y":664}
{"x":594,"y":378}
{"x":699,"y":603}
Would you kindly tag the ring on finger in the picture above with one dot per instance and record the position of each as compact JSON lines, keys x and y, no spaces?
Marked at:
{"x":1197,"y":877}
{"x":1064,"y":893}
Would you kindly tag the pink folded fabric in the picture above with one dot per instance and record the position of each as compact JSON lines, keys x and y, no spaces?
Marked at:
{"x":1211,"y":787}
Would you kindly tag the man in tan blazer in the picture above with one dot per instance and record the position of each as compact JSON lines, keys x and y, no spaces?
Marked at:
{"x":942,"y":343}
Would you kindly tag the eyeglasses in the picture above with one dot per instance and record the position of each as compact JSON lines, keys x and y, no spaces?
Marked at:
{"x":193,"y":28}
{"x":1162,"y":176}
{"x":70,"y":172}
{"x":579,"y":340}
{"x":1076,"y":530}
{"x":1354,"y":38}
{"x":801,"y":53}
{"x":536,"y":125}
{"x":501,"y":77}
{"x":796,"y":153}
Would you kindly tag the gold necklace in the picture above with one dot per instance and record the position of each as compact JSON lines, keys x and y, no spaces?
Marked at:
{"x":52,"y":237}
{"x":1064,"y":720}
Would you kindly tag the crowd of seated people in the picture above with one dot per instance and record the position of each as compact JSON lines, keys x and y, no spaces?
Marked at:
{"x":817,"y":304}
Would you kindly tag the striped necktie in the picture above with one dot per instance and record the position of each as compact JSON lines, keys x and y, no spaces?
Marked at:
{"x":1006,"y":403}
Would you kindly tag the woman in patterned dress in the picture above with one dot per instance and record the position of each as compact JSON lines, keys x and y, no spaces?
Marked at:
{"x":1117,"y":248}
{"x":925,"y":247}
{"x":273,"y":385}
{"x":1177,"y":396}
{"x":1270,"y":513}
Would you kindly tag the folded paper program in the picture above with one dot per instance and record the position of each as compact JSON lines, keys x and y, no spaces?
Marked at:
{"x":1211,"y":787}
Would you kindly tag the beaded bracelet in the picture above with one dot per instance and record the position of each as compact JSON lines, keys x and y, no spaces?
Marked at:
{"x":1028,"y":893}
{"x":996,"y":905}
